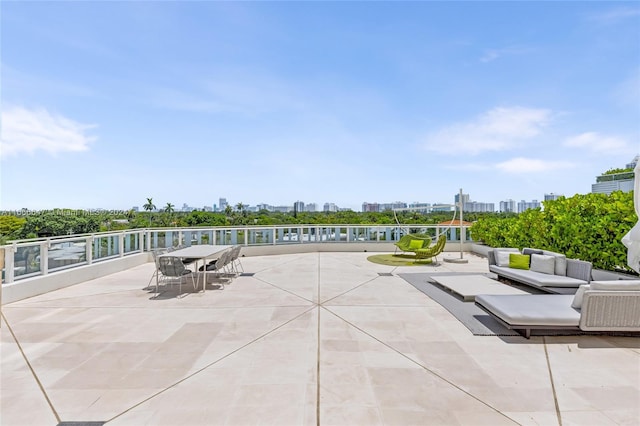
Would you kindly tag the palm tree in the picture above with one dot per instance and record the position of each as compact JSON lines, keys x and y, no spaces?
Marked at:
{"x":169,"y":209}
{"x":149,"y":206}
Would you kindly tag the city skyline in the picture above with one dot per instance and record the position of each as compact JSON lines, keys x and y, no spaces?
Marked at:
{"x":107,"y":103}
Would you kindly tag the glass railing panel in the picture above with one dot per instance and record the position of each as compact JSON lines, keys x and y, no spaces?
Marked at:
{"x":106,"y":246}
{"x":26,"y":261}
{"x":67,"y":254}
{"x":131,"y":243}
{"x":260,"y":236}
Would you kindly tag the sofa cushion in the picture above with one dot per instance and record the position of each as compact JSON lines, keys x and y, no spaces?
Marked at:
{"x":577,"y":298}
{"x":537,"y":278}
{"x":531,"y":309}
{"x":493,"y":253}
{"x":519,"y":261}
{"x":502,"y":257}
{"x":579,"y":269}
{"x":561,"y":262}
{"x":531,"y":251}
{"x":415,"y":244}
{"x":622,"y":285}
{"x":543,"y":263}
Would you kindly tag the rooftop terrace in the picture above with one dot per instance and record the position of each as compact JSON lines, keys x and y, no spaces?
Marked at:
{"x":308,"y":339}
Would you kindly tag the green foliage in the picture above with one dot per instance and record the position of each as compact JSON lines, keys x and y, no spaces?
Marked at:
{"x":588,"y":227}
{"x":60,"y":222}
{"x":10,"y":227}
{"x":614,"y":171}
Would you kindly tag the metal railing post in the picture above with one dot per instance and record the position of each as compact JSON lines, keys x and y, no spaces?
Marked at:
{"x":44,"y":257}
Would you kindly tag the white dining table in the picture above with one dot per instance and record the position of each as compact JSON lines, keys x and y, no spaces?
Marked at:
{"x":202,"y":252}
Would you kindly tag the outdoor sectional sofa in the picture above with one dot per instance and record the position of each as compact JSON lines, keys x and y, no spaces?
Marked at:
{"x":601,"y":306}
{"x":547,"y":271}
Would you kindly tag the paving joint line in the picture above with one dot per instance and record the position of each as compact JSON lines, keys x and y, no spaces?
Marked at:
{"x":262,"y":336}
{"x":553,"y":386}
{"x":35,"y":376}
{"x":422,"y":366}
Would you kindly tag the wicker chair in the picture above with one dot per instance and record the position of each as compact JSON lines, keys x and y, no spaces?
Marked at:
{"x":412,"y":243}
{"x":433,"y":251}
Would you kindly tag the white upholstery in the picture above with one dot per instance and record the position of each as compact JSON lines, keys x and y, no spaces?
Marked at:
{"x":543,"y":263}
{"x":577,"y":298}
{"x":536,"y":278}
{"x":502,"y":258}
{"x":612,"y":285}
{"x":531,"y":309}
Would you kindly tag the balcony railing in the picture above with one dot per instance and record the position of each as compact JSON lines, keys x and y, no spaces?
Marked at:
{"x":29,"y":258}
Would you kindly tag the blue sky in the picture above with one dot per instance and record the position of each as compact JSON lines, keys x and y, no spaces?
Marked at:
{"x":107,"y":103}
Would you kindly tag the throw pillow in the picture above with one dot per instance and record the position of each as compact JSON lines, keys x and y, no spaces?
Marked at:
{"x":531,"y":251}
{"x":577,"y":299}
{"x":518,"y":261}
{"x":502,"y":257}
{"x":543,"y":263}
{"x":415,"y":244}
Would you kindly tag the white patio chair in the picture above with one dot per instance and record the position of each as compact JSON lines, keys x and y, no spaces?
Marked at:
{"x":172,"y":268}
{"x":155,"y":253}
{"x":236,"y":265}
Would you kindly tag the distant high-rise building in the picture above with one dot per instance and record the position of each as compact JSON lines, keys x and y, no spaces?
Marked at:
{"x":552,"y":196}
{"x":475,"y":206}
{"x":526,"y":205}
{"x":223,"y":204}
{"x":330,"y":207}
{"x":508,"y":206}
{"x":311,"y":207}
{"x":443,"y":207}
{"x":465,"y":198}
{"x":607,"y":183}
{"x":420,"y":207}
{"x":370,"y":207}
{"x":298,"y":206}
{"x":392,"y":206}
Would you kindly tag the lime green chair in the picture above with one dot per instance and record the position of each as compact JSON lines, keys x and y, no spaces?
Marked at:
{"x":433,"y":251}
{"x":411,"y":243}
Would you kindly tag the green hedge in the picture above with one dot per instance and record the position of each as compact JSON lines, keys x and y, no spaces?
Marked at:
{"x":588,"y":227}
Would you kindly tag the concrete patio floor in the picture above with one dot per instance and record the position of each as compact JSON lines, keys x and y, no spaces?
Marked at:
{"x":309,"y":339}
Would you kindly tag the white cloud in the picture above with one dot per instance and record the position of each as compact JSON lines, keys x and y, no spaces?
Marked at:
{"x":597,"y":143}
{"x":496,"y":130}
{"x":25,"y":130}
{"x":522,"y":165}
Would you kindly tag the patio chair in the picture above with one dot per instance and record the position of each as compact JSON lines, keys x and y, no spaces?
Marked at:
{"x":412,"y":242}
{"x":219,"y":265}
{"x":172,"y":268}
{"x":433,"y":251}
{"x":236,"y":265}
{"x":155,"y":254}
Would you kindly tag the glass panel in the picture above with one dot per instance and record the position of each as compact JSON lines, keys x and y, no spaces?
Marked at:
{"x":26,"y":260}
{"x":67,"y":253}
{"x":106,"y":246}
{"x":131,"y":243}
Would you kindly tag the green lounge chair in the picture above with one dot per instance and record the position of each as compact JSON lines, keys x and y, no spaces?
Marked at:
{"x":433,"y":251}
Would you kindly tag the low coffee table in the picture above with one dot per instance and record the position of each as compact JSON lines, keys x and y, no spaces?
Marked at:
{"x":469,"y":286}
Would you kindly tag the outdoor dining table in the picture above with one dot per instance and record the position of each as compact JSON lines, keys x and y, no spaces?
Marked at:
{"x":201,"y":252}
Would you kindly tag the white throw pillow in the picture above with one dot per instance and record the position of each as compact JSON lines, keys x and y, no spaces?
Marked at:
{"x":543,"y":263}
{"x":577,"y":299}
{"x":502,"y":257}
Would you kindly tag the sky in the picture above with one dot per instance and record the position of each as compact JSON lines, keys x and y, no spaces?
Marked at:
{"x":104,"y":104}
